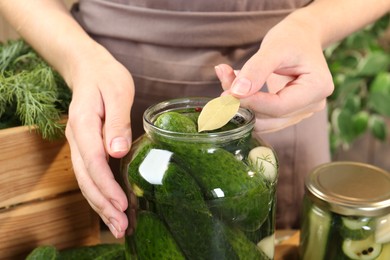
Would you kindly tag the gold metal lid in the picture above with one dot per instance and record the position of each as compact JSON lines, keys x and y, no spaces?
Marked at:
{"x":350,"y":188}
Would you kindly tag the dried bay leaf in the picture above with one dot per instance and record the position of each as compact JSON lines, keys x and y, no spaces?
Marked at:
{"x":218,"y":112}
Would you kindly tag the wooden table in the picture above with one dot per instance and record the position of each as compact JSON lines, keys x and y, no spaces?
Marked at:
{"x":287,"y":245}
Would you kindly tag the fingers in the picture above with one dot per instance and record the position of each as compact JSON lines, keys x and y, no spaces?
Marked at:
{"x":226,"y":75}
{"x":253,"y":75}
{"x":108,"y":208}
{"x":89,"y":158}
{"x":288,"y":101}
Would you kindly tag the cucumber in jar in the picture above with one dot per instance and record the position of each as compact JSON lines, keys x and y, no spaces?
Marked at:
{"x":318,"y":229}
{"x":246,"y":249}
{"x":233,"y":191}
{"x":365,"y":249}
{"x":180,"y":203}
{"x":356,"y":228}
{"x":153,"y":239}
{"x":176,"y":122}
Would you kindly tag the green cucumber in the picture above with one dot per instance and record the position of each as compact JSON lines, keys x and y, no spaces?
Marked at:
{"x":232,"y":191}
{"x":180,"y":203}
{"x":365,"y":249}
{"x":356,"y":228}
{"x":101,"y":251}
{"x":153,"y":239}
{"x":176,"y":122}
{"x":245,"y":249}
{"x":43,"y":252}
{"x":319,"y":223}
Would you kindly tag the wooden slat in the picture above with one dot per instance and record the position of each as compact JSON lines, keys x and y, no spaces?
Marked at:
{"x":65,"y":221}
{"x":32,"y":168}
{"x":367,"y":149}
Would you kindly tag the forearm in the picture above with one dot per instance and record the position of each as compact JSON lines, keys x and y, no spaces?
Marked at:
{"x":48,"y":26}
{"x":334,"y":19}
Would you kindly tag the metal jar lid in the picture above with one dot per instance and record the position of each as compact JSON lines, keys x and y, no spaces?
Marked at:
{"x":350,"y":188}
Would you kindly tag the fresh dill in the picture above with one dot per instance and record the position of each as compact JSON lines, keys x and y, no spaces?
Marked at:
{"x":32,"y":93}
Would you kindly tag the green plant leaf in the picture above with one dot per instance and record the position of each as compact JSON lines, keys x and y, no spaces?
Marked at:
{"x":373,"y":63}
{"x":346,"y":86}
{"x":380,"y":103}
{"x":353,"y":103}
{"x":378,"y":127}
{"x":343,"y":120}
{"x":360,"y":122}
{"x":381,"y":83}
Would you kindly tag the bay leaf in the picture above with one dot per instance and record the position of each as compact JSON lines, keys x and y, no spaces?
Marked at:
{"x":218,"y":112}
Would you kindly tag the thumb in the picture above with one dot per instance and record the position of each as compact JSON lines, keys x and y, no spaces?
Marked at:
{"x":253,"y":75}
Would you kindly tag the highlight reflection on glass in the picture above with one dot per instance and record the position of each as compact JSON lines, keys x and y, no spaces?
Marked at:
{"x":154,"y":166}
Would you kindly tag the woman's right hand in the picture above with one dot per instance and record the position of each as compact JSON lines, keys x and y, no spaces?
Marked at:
{"x":98,"y":126}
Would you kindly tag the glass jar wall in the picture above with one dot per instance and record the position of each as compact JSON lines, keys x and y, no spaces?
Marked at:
{"x":200,"y":195}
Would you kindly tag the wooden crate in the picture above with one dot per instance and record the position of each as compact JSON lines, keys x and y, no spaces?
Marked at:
{"x":40,"y":202}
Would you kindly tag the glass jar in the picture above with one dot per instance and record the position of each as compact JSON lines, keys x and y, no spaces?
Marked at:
{"x":200,"y":195}
{"x":346,"y":213}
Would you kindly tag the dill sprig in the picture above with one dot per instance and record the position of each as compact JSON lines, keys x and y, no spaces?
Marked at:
{"x":31,"y":92}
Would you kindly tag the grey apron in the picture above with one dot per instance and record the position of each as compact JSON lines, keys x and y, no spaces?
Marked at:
{"x":171,"y":47}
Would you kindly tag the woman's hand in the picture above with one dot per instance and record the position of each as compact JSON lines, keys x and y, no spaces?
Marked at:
{"x":291,"y":63}
{"x":98,"y":126}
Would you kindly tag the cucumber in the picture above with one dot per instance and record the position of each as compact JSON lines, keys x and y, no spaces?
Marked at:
{"x":356,"y":228}
{"x":43,"y":252}
{"x":153,"y":239}
{"x":100,"y":251}
{"x":176,"y":122}
{"x":319,"y":223}
{"x":232,"y":191}
{"x":365,"y":249}
{"x":267,"y":228}
{"x":180,"y":203}
{"x":245,"y":249}
{"x":114,"y":251}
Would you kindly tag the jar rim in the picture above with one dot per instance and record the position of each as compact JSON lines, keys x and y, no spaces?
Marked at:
{"x":350,"y":188}
{"x":155,"y":110}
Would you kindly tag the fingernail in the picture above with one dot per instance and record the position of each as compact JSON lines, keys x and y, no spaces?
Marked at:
{"x":219,"y":72}
{"x":117,"y":205}
{"x":114,"y":227}
{"x":119,"y":144}
{"x":242,"y":86}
